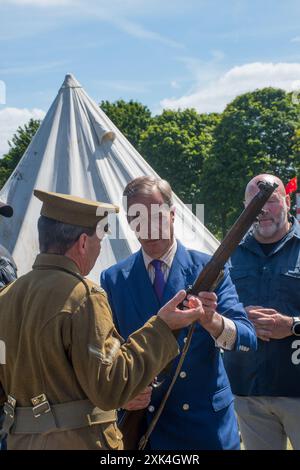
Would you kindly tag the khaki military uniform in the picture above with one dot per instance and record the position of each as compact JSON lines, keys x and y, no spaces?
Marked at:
{"x":66,"y":366}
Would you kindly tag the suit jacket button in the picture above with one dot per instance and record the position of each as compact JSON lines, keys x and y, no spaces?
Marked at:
{"x":182,"y":374}
{"x":186,"y":407}
{"x":151,"y":408}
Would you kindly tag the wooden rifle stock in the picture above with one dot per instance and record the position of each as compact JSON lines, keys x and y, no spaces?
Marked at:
{"x":131,"y":423}
{"x":209,"y":274}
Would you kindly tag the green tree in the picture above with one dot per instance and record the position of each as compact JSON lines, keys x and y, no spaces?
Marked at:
{"x":132,"y":118}
{"x":18,"y":145}
{"x":176,"y":144}
{"x":258,"y":133}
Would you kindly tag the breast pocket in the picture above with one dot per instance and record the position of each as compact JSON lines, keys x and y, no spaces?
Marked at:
{"x":222,"y":399}
{"x":288,"y":286}
{"x":246,"y":282}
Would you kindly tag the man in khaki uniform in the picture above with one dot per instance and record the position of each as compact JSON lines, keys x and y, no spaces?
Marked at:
{"x":66,"y":369}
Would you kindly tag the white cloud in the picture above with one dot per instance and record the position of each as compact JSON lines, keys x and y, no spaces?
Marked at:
{"x":216,"y":95}
{"x":38,"y":3}
{"x":203,"y":71}
{"x":175,"y":84}
{"x":124,"y":7}
{"x":32,"y":69}
{"x":2,"y":92}
{"x":11,"y":119}
{"x":137,"y":30}
{"x":120,"y":14}
{"x":127,"y":86}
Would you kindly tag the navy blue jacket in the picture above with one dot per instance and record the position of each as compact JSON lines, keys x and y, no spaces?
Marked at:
{"x":272,"y":281}
{"x":199,"y":413}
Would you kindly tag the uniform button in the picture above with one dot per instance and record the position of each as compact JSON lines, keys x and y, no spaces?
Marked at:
{"x":186,"y":407}
{"x":185,"y":339}
{"x":151,"y":408}
{"x":182,"y":375}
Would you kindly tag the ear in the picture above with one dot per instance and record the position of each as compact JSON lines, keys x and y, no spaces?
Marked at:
{"x":288,"y":201}
{"x":82,"y":243}
{"x":172,"y":212}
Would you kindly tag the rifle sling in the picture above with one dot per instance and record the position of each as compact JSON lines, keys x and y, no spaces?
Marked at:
{"x":144,"y":439}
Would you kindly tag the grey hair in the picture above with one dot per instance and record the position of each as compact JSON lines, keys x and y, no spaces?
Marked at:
{"x":57,"y":237}
{"x":146,"y":185}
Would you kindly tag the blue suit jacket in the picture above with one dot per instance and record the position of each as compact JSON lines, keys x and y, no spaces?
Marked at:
{"x":199,"y":413}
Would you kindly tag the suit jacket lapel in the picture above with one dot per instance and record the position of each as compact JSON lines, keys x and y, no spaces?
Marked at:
{"x":180,"y":274}
{"x":141,"y":290}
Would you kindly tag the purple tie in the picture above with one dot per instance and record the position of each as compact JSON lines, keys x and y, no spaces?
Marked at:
{"x":159,"y":280}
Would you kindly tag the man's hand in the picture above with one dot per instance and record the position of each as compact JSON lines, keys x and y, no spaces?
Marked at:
{"x":269,"y":323}
{"x":176,"y":318}
{"x":209,"y":318}
{"x":141,"y":401}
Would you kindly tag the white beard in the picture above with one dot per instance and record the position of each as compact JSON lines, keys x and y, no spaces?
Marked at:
{"x":272,"y":229}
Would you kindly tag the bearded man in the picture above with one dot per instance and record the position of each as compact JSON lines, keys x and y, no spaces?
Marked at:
{"x":266,"y":273}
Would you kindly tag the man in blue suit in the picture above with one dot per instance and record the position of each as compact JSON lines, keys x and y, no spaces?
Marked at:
{"x":199,"y":413}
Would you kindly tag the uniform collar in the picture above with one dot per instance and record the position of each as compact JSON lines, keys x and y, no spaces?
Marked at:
{"x":44,"y":260}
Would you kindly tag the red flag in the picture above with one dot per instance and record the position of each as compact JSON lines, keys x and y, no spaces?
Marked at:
{"x":291,"y":185}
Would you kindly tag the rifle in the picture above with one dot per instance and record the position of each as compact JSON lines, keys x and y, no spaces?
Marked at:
{"x":208,"y":279}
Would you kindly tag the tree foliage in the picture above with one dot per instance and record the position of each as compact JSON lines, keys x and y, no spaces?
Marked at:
{"x":132,"y":118}
{"x":258,"y":133}
{"x":176,"y":144}
{"x":18,"y":145}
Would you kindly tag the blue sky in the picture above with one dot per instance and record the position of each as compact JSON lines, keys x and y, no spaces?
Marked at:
{"x":164,"y":53}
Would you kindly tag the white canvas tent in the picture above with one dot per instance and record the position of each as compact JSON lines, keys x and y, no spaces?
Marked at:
{"x":78,"y":150}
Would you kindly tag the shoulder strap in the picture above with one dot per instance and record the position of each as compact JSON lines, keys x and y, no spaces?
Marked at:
{"x":145,"y":438}
{"x":65,"y":270}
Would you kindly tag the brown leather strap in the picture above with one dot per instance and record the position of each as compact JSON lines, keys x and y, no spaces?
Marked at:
{"x":145,"y":438}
